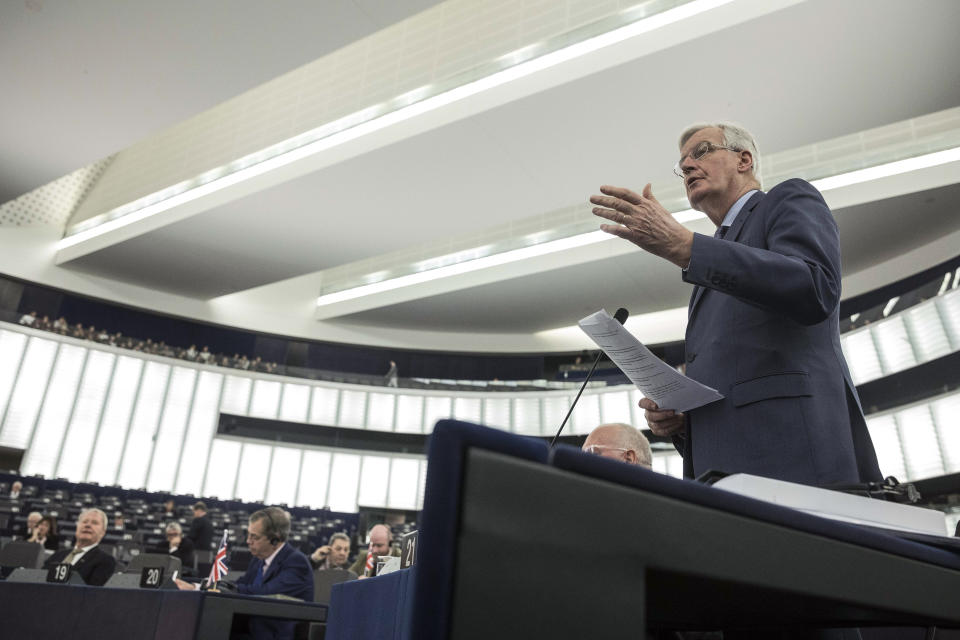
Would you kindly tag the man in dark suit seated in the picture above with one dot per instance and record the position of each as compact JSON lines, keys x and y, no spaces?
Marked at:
{"x":177,"y":545}
{"x":93,"y":564}
{"x":201,"y":529}
{"x":277,"y":568}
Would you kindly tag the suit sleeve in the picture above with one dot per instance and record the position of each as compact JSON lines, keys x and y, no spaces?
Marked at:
{"x":796,"y":274}
{"x":102,"y":570}
{"x":294,"y":578}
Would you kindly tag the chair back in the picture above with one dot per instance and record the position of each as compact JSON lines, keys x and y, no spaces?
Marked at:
{"x":168,"y":563}
{"x":324,"y":579}
{"x":19,"y":553}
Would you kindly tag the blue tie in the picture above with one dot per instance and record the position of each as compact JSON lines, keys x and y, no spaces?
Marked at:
{"x":722,"y":231}
{"x":258,"y":581}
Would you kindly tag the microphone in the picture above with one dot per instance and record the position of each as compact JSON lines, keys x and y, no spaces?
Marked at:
{"x":620,"y":316}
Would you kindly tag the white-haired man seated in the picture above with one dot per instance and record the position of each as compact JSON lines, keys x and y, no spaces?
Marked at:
{"x":620,"y":442}
{"x":93,"y":564}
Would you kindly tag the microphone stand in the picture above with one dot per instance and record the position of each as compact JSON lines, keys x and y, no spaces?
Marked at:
{"x":574,"y":403}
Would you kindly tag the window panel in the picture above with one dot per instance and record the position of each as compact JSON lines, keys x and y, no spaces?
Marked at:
{"x":323,"y":408}
{"x":284,"y":470}
{"x":82,"y":430}
{"x":526,"y":416}
{"x":236,"y":395}
{"x":945,"y":412}
{"x":293,"y":406}
{"x":675,"y":466}
{"x":143,"y":426}
{"x":380,"y":411}
{"x":12,"y":346}
{"x":344,"y":480}
{"x":896,"y":354}
{"x":467,"y":409}
{"x":224,"y":457}
{"x":404,"y":474}
{"x":660,"y":464}
{"x":254,"y":467}
{"x":116,"y":418}
{"x":173,"y":424}
{"x":921,"y":449}
{"x":586,"y":416}
{"x":201,"y":429}
{"x":861,"y":356}
{"x":496,"y":413}
{"x":555,"y":409}
{"x":409,"y":414}
{"x":266,"y":399}
{"x":314,"y":476}
{"x":374,"y":480}
{"x":886,"y":441}
{"x":615,"y":407}
{"x":926,"y":329}
{"x":353,"y":409}
{"x":949,"y":304}
{"x":437,"y":408}
{"x":422,"y":483}
{"x":28,"y":393}
{"x":52,"y":422}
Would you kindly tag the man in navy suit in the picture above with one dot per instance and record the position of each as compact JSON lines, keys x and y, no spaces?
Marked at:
{"x":763,"y":318}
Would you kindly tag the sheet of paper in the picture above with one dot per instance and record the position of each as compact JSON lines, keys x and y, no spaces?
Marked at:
{"x":657,"y":380}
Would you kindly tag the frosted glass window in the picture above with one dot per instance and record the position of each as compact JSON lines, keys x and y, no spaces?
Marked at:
{"x":945,"y":414}
{"x":115,"y":420}
{"x":52,"y":422}
{"x":404,"y":475}
{"x":467,"y":409}
{"x":896,"y":354}
{"x":12,"y":346}
{"x":82,"y":430}
{"x":660,"y":464}
{"x":293,"y":406}
{"x":886,"y":441}
{"x":929,"y":337}
{"x":586,"y":415}
{"x":353,"y":409}
{"x":236,"y":395}
{"x":950,"y":314}
{"x":173,"y":424}
{"x":266,"y":399}
{"x":422,"y":484}
{"x":920,"y":445}
{"x":615,"y":407}
{"x":284,"y":470}
{"x":28,"y":393}
{"x":254,"y":467}
{"x":554,"y":411}
{"x":143,"y":425}
{"x":224,"y":457}
{"x":639,"y":420}
{"x":436,"y":408}
{"x":409,"y":414}
{"x":675,"y":466}
{"x":344,"y":480}
{"x":314,"y":476}
{"x":861,"y":356}
{"x":496,"y":413}
{"x":200,"y":431}
{"x":526,"y":416}
{"x":323,"y":408}
{"x":374,"y":479}
{"x":380,"y":411}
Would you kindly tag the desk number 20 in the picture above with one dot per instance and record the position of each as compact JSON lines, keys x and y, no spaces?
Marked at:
{"x":153,"y":577}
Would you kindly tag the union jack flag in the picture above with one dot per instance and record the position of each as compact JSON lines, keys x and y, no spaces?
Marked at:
{"x":219,"y":568}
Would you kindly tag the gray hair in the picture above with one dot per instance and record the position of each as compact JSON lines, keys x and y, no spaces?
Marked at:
{"x":632,"y":438}
{"x":339,"y":536}
{"x":174,"y":526}
{"x":99,"y":512}
{"x":734,"y":136}
{"x":276,"y":522}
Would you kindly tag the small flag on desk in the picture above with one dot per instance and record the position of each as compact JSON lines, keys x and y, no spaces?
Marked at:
{"x":368,"y":567}
{"x":219,"y":568}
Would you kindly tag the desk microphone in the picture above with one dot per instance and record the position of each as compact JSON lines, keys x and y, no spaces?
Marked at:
{"x":620,"y":316}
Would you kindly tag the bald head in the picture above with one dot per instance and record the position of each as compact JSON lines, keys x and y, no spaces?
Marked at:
{"x":620,"y":442}
{"x":380,"y":540}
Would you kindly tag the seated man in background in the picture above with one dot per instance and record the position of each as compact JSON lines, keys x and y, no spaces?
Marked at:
{"x":620,"y":442}
{"x":178,"y":546}
{"x":380,"y":537}
{"x":33,"y":519}
{"x":15,"y":490}
{"x":94,"y":565}
{"x":332,"y":555}
{"x":201,"y":529}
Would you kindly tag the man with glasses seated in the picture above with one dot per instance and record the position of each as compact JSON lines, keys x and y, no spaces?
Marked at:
{"x":179,"y":546}
{"x":620,"y":441}
{"x":762,"y":323}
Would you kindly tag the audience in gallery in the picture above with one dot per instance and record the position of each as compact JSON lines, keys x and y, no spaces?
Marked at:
{"x":177,"y":545}
{"x":333,"y":555}
{"x":33,"y":519}
{"x":380,"y":538}
{"x":45,"y":533}
{"x":620,"y":441}
{"x":94,"y":565}
{"x":15,"y":490}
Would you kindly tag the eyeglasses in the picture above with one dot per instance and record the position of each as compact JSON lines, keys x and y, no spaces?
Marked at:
{"x":598,"y":449}
{"x":698,"y":153}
